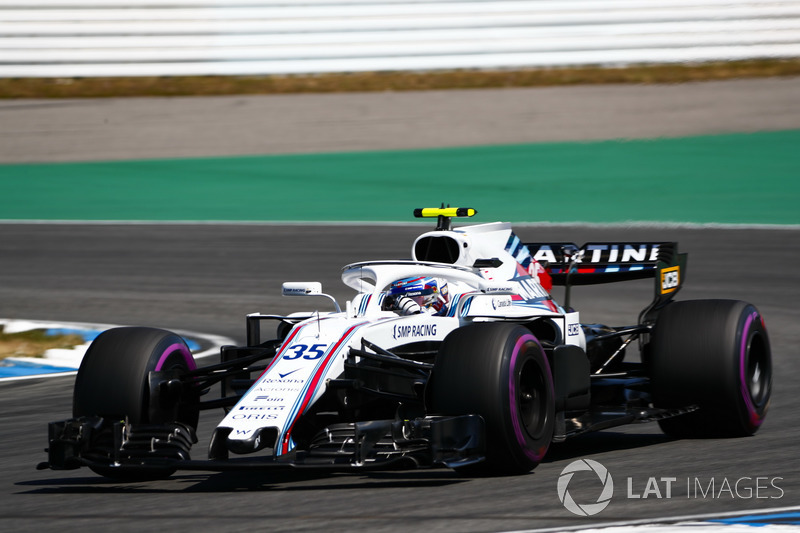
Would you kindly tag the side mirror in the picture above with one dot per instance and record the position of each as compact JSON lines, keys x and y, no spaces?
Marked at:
{"x":302,"y":288}
{"x":307,"y":288}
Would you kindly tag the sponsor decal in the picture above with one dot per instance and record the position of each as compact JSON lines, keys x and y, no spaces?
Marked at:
{"x":670,"y":279}
{"x":274,"y":390}
{"x":499,"y":303}
{"x":500,"y":288}
{"x":280,"y":387}
{"x":267,"y":399}
{"x":530,"y":288}
{"x":626,"y":253}
{"x":573,"y":330}
{"x":287,"y":373}
{"x":418,"y":330}
{"x":261,"y":408}
{"x":545,"y":254}
{"x":255,"y":416}
{"x":296,"y":290}
{"x":276,"y":381}
{"x":598,"y":252}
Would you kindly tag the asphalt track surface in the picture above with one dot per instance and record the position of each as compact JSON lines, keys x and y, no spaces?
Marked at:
{"x":206,"y":278}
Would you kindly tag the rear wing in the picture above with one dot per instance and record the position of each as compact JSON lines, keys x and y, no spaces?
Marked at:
{"x":602,"y":262}
{"x":607,"y":262}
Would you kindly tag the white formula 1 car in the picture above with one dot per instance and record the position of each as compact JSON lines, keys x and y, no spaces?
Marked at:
{"x":457,"y":357}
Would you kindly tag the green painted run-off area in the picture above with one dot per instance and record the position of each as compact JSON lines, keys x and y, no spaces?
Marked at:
{"x":739,"y":178}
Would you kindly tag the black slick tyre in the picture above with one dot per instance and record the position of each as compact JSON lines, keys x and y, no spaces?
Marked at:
{"x":112,"y":382}
{"x":714,"y":354}
{"x":500,"y":372}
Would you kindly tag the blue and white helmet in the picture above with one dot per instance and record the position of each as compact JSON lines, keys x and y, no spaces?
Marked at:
{"x":427,"y":292}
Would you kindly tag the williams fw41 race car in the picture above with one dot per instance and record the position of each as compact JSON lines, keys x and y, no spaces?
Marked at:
{"x":458,"y":357}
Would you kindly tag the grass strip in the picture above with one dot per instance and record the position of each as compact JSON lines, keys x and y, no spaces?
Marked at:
{"x":392,"y":81}
{"x":34,"y":343}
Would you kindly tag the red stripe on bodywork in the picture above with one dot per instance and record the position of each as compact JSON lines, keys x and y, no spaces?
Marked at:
{"x":313,"y":386}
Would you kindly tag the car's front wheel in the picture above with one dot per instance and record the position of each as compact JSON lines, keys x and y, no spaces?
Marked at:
{"x":500,"y":372}
{"x":113,"y":383}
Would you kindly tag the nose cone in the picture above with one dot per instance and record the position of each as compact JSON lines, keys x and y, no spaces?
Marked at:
{"x":240,"y":442}
{"x":256,"y":440}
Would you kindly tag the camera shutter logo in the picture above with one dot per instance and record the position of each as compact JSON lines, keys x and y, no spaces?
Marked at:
{"x":586,"y":509}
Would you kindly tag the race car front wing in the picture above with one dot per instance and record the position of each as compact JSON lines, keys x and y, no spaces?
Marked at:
{"x":451,"y":441}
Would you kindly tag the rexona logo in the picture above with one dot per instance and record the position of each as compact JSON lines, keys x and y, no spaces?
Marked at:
{"x":585,"y":509}
{"x":670,"y":279}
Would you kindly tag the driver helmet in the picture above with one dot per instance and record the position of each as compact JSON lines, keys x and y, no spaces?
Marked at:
{"x":428,"y":293}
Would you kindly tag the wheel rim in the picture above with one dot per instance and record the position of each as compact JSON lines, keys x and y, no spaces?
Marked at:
{"x":758,"y":372}
{"x":531,"y":399}
{"x":177,"y":357}
{"x":168,"y":358}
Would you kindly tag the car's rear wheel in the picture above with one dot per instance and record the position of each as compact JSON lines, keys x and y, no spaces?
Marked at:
{"x":714,"y":354}
{"x":112,"y":383}
{"x":500,"y":372}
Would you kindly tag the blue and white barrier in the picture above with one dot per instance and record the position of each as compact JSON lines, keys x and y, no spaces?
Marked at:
{"x":67,"y":361}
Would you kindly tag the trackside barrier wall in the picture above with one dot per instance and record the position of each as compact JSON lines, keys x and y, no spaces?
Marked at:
{"x":77,"y":38}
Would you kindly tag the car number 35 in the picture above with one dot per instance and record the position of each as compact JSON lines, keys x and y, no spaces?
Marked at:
{"x":315,"y":351}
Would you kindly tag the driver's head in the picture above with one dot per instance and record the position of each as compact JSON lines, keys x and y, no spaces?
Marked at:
{"x":429,"y":293}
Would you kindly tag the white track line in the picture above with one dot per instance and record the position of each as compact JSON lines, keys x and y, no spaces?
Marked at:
{"x":601,"y":526}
